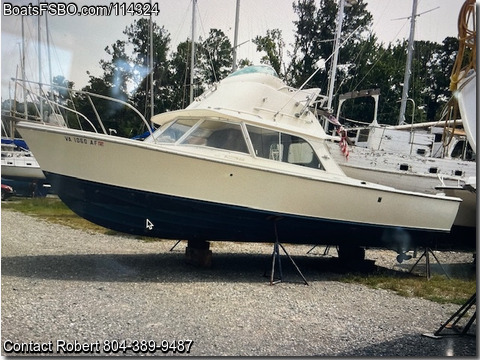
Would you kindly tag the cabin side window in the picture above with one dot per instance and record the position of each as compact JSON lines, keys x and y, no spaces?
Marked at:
{"x":218,"y":134}
{"x":273,"y":145}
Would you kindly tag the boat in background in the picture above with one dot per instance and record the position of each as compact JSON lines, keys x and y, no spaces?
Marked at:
{"x":246,"y":161}
{"x":411,"y":157}
{"x":18,"y":162}
{"x":467,"y":212}
{"x":423,"y":157}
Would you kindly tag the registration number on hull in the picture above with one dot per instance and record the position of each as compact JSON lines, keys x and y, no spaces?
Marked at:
{"x":84,"y":141}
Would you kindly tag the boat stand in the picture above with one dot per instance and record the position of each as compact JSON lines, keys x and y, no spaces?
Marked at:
{"x":174,"y":246}
{"x":457,"y":317}
{"x":198,"y":253}
{"x":427,"y":253}
{"x":325,"y":252}
{"x":276,"y":257}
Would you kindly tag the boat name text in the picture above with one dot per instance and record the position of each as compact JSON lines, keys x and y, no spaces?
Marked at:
{"x":80,"y":140}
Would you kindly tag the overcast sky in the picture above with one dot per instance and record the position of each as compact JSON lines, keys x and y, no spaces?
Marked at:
{"x":79,"y":42}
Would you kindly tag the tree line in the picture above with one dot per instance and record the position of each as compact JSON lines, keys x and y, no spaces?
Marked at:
{"x":364,"y":63}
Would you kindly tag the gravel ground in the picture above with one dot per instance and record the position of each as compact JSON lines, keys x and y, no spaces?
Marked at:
{"x":64,"y":287}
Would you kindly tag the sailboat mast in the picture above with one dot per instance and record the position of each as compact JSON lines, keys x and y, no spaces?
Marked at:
{"x":331,"y":82}
{"x":40,"y":65}
{"x":192,"y":58}
{"x":235,"y":37}
{"x":49,"y":55}
{"x":23,"y":71}
{"x":406,"y":79}
{"x":151,"y":66}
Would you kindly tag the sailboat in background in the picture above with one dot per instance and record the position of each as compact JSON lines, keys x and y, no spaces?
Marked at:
{"x":18,"y":162}
{"x":19,"y":168}
{"x":411,"y":157}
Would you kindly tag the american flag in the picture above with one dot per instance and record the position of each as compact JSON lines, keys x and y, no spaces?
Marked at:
{"x":343,"y":133}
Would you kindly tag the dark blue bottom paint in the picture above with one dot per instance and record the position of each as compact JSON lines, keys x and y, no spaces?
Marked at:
{"x":127,"y":210}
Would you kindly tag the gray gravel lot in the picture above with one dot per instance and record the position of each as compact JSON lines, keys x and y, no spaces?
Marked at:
{"x":60,"y":284}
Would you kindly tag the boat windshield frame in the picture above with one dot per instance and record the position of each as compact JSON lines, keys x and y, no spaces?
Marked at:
{"x":239,"y":137}
{"x":255,"y":69}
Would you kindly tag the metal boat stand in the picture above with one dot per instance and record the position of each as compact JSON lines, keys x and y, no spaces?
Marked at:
{"x":457,"y":317}
{"x":276,"y":256}
{"x":427,"y":253}
{"x":174,"y":246}
{"x":325,"y":252}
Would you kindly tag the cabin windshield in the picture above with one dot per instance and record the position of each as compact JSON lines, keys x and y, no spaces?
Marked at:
{"x":220,"y":134}
{"x":263,"y":69}
{"x":173,"y":132}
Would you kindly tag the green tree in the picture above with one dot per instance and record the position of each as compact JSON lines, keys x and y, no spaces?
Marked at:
{"x":314,"y":45}
{"x":375,"y":67}
{"x":214,"y":57}
{"x":364,"y":63}
{"x":439,"y":65}
{"x":213,"y":62}
{"x":272,"y":44}
{"x":179,"y":80}
{"x":126,"y":77}
{"x":138,"y":35}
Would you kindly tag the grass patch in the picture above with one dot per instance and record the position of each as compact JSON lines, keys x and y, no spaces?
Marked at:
{"x":439,"y":288}
{"x":54,"y":210}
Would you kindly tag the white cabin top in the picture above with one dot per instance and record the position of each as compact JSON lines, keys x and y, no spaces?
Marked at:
{"x":251,"y":112}
{"x":256,"y":94}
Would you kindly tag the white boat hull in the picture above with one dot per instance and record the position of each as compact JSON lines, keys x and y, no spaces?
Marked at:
{"x":422,"y":175}
{"x":21,"y":167}
{"x":217,"y":195}
{"x":467,"y":213}
{"x":402,"y":171}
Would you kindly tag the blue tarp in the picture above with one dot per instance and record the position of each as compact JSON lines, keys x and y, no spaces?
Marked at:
{"x":142,"y":136}
{"x":17,"y":142}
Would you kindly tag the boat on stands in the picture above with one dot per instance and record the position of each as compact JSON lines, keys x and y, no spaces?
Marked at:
{"x":246,"y":161}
